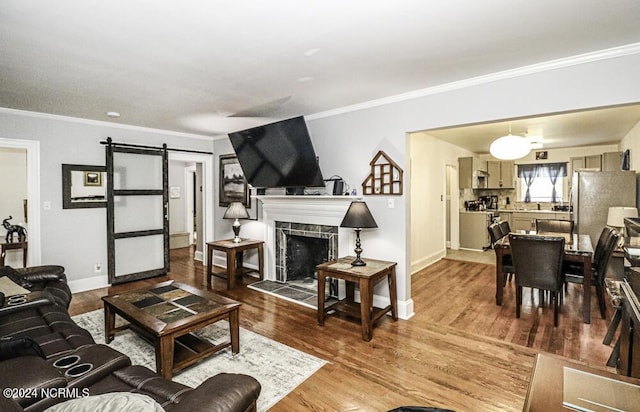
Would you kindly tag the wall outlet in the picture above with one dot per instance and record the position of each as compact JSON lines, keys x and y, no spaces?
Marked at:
{"x":391,"y":203}
{"x":98,"y":267}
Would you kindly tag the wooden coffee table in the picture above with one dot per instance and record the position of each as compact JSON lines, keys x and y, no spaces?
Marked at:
{"x":167,"y":314}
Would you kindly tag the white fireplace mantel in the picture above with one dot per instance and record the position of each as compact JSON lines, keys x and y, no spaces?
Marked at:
{"x":318,"y":210}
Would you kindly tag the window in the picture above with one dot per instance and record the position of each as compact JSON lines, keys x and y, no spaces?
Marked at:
{"x":541,"y":182}
{"x":541,"y":190}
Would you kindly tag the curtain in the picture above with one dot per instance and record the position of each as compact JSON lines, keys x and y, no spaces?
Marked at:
{"x":551,"y":170}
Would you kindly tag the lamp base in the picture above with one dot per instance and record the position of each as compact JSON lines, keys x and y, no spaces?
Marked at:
{"x":358,"y":262}
{"x":358,"y":250}
{"x":236,"y":231}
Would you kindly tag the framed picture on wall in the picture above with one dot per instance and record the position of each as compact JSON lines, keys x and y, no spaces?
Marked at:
{"x":233,"y":185}
{"x":92,"y":178}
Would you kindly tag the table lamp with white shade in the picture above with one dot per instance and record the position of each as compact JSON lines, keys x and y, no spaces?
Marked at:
{"x":236,"y":210}
{"x":616,"y":217}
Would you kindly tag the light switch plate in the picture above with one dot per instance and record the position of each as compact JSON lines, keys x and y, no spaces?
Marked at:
{"x":391,"y":203}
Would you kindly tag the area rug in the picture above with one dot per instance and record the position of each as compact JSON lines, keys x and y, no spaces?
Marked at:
{"x":278,"y":367}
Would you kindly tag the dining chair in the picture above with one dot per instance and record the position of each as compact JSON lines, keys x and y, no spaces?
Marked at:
{"x":537,"y":262}
{"x":607,"y":243}
{"x":554,"y":225}
{"x":504,"y":226}
{"x":496,"y":233}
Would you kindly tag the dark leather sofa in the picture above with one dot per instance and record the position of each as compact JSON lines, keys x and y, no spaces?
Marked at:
{"x":54,"y":355}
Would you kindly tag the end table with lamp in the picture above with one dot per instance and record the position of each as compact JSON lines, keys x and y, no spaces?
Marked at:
{"x":234,"y":249}
{"x":363,"y":272}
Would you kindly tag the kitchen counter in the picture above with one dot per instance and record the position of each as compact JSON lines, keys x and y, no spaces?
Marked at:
{"x":520,"y":219}
{"x":529,"y":211}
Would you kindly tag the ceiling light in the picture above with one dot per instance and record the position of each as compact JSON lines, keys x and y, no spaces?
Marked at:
{"x":115,"y":115}
{"x":510,"y":147}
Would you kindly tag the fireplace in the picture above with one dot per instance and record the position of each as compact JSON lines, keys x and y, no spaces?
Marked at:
{"x":301,"y":247}
{"x":315,"y":217}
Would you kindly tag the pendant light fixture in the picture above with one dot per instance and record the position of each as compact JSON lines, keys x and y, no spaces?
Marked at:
{"x":510,"y":147}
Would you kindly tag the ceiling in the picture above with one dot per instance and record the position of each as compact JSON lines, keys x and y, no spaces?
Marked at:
{"x":575,"y":129}
{"x":210,"y":67}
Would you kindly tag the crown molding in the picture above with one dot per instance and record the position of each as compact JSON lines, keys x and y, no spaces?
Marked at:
{"x":605,"y":54}
{"x":49,"y":116}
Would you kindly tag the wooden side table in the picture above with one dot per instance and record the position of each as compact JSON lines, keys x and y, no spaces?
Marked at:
{"x":235,"y":254}
{"x":366,"y":277}
{"x":11,"y":246}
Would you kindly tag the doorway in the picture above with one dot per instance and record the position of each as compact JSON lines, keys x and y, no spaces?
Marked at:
{"x":29,"y":208}
{"x":198,"y":198}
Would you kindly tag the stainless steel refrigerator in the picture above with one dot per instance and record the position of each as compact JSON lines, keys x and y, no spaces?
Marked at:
{"x":592,"y":193}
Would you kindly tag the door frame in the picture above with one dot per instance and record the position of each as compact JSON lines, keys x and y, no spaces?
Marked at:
{"x":454,"y":189}
{"x":32,"y":147}
{"x":208,"y":210}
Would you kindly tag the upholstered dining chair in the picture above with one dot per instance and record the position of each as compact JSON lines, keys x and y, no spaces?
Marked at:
{"x":537,"y":262}
{"x":504,"y":226}
{"x":495,"y":233}
{"x":607,"y":242}
{"x":554,"y":225}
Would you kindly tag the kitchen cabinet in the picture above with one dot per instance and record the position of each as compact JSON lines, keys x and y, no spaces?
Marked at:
{"x":507,"y":217}
{"x":593,"y":162}
{"x":473,"y":230}
{"x":611,"y":161}
{"x":472,"y":173}
{"x":500,"y":174}
{"x":527,"y":220}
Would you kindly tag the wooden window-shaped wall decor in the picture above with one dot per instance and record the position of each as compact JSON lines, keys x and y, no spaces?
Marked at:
{"x":385,"y":177}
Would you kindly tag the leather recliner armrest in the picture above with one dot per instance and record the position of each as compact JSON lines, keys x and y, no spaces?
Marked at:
{"x":44,"y":273}
{"x":30,"y":373}
{"x":220,"y":393}
{"x":32,"y":300}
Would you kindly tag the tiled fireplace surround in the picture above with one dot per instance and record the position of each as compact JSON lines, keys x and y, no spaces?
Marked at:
{"x":310,"y":239}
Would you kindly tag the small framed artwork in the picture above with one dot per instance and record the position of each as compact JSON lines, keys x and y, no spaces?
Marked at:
{"x":233,"y":185}
{"x":541,"y":155}
{"x":92,"y":179}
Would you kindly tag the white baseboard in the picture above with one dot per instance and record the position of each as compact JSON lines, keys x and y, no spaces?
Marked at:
{"x":405,"y":307}
{"x":198,"y":256}
{"x":427,"y":261}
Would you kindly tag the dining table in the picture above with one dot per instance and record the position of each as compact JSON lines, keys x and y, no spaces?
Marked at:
{"x":578,"y":249}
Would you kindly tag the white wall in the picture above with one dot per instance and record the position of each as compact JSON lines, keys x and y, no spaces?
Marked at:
{"x":77,"y":238}
{"x":251,"y":229}
{"x":177,"y":206}
{"x":429,"y":157}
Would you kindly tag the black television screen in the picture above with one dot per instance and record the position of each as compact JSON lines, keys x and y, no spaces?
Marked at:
{"x":279,"y":154}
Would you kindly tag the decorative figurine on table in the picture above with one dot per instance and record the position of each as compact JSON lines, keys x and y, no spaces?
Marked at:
{"x":11,"y":229}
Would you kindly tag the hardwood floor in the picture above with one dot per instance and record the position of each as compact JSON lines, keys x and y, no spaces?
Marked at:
{"x":459,"y":351}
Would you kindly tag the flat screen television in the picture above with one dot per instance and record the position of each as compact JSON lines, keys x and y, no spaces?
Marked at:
{"x":278,"y":155}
